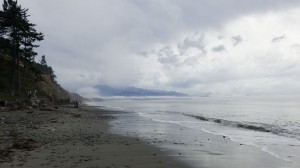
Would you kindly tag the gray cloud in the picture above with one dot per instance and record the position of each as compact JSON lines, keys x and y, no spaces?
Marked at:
{"x":215,"y":12}
{"x":115,"y":42}
{"x":197,"y":41}
{"x":218,"y":48}
{"x":236,"y":40}
{"x":188,"y":42}
{"x":166,"y":55}
{"x":278,"y":39}
{"x":220,"y":37}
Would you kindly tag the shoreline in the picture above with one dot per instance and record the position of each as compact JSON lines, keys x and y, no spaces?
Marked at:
{"x":196,"y":147}
{"x":64,"y":136}
{"x":69,"y":137}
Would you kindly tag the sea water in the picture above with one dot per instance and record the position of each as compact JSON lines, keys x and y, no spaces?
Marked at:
{"x":270,"y":124}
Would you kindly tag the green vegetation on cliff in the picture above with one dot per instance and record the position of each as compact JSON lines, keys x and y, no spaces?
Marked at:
{"x":19,"y":72}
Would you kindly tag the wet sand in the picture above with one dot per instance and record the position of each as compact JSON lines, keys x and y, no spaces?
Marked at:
{"x":196,"y":147}
{"x":69,"y":137}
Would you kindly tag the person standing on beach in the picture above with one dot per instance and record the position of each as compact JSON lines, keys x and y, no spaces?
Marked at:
{"x":76,"y":103}
{"x":29,"y":94}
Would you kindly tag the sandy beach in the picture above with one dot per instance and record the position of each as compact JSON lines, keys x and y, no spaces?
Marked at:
{"x":88,"y":137}
{"x":67,"y":137}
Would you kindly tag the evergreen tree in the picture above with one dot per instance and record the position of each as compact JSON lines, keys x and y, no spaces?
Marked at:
{"x":45,"y":69}
{"x":15,"y":27}
{"x":43,"y":61}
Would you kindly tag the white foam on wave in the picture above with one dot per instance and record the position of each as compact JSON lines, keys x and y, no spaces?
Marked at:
{"x":140,"y":114}
{"x":265,"y":149}
{"x":181,"y":123}
{"x":114,"y":108}
{"x":262,"y":148}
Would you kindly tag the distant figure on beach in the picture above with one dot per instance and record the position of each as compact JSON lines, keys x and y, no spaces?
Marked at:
{"x":29,"y":94}
{"x":50,"y":100}
{"x":76,"y":103}
{"x":34,"y":94}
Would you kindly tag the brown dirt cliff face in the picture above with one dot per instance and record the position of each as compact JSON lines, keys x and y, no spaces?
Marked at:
{"x":50,"y":88}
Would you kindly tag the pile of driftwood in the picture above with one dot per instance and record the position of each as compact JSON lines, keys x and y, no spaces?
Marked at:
{"x":23,"y":104}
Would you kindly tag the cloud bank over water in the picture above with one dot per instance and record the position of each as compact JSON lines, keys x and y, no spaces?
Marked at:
{"x":230,"y":47}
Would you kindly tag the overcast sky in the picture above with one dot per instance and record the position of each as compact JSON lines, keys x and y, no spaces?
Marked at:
{"x":224,"y":47}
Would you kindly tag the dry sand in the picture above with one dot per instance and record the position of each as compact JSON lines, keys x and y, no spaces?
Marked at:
{"x":68,"y":137}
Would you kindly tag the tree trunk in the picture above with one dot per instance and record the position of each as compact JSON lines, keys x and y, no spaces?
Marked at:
{"x":13,"y":72}
{"x":19,"y":74}
{"x":14,"y":63}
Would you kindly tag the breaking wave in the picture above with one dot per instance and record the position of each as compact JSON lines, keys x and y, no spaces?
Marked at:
{"x":274,"y":129}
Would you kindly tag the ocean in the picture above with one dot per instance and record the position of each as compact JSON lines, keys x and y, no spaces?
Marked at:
{"x":270,"y":125}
